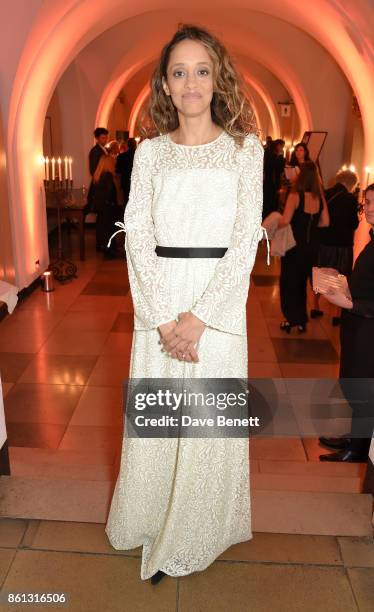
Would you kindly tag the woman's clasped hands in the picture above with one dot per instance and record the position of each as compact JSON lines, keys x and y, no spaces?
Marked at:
{"x":179,"y":338}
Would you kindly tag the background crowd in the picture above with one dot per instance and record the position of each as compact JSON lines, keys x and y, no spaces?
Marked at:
{"x":320,"y":222}
{"x":318,"y":227}
{"x":110,"y":165}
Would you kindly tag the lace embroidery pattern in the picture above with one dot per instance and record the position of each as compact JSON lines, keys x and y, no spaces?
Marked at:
{"x":221,"y":305}
{"x":187,"y":500}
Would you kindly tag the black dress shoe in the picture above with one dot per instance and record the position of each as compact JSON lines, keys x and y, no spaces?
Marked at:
{"x":286,"y":326}
{"x":335,"y":443}
{"x":345,"y":456}
{"x":155,"y":579}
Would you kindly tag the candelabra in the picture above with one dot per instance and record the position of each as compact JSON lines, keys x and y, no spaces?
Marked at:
{"x":62,"y":193}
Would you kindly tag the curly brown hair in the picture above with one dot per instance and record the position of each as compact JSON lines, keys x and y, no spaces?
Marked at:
{"x":230,"y":107}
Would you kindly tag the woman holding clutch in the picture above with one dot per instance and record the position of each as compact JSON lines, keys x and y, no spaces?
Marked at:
{"x":357,"y":355}
{"x":336,"y":241}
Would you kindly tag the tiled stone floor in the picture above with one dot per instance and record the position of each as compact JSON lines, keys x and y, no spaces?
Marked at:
{"x":276,"y":572}
{"x":63,"y":357}
{"x":58,"y":349}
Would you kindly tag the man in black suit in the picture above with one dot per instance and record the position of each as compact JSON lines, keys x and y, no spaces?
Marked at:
{"x":101,"y":137}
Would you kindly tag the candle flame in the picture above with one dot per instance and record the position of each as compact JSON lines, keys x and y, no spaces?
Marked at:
{"x":352,"y":168}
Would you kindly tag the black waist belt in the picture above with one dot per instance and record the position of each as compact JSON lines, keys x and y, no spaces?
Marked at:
{"x":162,"y":251}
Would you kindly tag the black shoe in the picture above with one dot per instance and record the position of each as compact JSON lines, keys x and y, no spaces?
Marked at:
{"x":301,"y":328}
{"x":286,"y":326}
{"x":155,"y":579}
{"x":315,"y":314}
{"x":335,"y":443}
{"x":345,"y":456}
{"x":335,"y":321}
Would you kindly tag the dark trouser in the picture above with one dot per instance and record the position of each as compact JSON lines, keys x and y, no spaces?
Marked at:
{"x":105,"y":225}
{"x":89,"y":205}
{"x":270,"y":200}
{"x":296,"y":268}
{"x":357,"y":361}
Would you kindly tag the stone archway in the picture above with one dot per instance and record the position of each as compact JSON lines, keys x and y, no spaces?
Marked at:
{"x":59,"y":32}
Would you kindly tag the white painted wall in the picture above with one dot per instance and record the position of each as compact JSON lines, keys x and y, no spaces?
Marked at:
{"x":66,"y":25}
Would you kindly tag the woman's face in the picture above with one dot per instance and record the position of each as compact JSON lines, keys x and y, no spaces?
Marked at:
{"x":369,"y":207}
{"x":190,"y":78}
{"x":300,"y":154}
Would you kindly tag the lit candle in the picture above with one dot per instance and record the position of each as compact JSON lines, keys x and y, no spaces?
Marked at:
{"x":344,"y":167}
{"x":367,"y":170}
{"x":352,"y":168}
{"x":46,"y":167}
{"x":70,"y":169}
{"x":59,"y":168}
{"x":66,"y":167}
{"x":53,"y":168}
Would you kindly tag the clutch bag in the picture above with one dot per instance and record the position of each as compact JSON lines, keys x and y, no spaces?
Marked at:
{"x":326,"y":279}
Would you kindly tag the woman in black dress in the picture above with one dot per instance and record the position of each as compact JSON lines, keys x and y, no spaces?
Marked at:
{"x":299,"y":156}
{"x":105,"y":203}
{"x":305,"y":211}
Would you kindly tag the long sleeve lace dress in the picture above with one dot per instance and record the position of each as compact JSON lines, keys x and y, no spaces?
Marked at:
{"x":186,"y":500}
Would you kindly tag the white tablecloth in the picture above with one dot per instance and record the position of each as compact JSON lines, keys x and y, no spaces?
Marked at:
{"x":8,"y":294}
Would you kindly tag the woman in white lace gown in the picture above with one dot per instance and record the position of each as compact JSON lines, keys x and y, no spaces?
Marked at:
{"x":186,"y":500}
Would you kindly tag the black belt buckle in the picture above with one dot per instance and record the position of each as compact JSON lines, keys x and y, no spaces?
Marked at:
{"x":188,"y":252}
